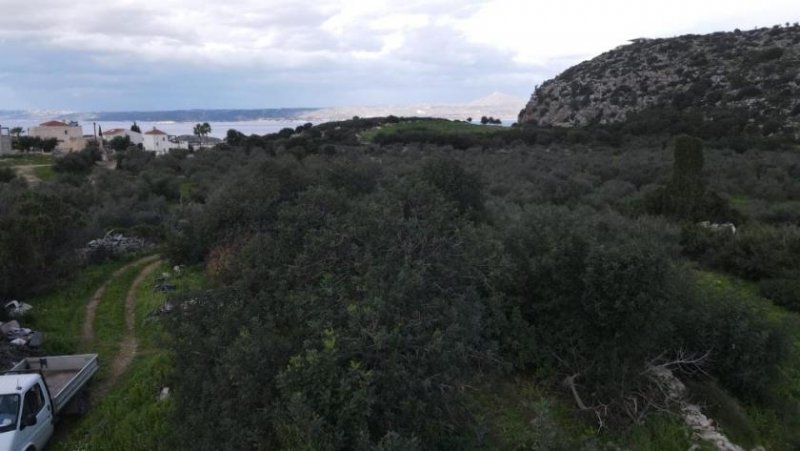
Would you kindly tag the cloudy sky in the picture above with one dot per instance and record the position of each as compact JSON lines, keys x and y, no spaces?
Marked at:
{"x":90,"y":55}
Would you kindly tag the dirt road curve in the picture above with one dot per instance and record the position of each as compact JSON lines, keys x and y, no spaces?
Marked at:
{"x":91,"y":307}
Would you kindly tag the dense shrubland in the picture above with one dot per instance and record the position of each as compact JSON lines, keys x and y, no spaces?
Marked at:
{"x":366,"y":292}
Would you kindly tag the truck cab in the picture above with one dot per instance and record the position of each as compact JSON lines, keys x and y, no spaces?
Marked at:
{"x":26,"y":412}
{"x":35,"y":391}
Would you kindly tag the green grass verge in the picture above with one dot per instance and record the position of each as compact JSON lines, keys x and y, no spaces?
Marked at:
{"x":59,"y":313}
{"x":26,"y":159}
{"x":45,"y":173}
{"x":520,"y":414}
{"x":132,"y":417}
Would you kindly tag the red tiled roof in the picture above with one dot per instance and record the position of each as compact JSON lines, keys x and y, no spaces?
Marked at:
{"x":53,"y":124}
{"x":155,"y":131}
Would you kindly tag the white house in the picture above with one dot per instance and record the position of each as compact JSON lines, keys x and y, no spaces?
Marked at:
{"x":156,"y":141}
{"x":194,"y":142}
{"x":69,"y":136}
{"x":135,"y":137}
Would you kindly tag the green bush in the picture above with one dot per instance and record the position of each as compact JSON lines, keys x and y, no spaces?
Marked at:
{"x":746,"y":348}
{"x":754,"y":252}
{"x":78,"y":162}
{"x":356,"y":319}
{"x":783,"y":292}
{"x":7,"y":174}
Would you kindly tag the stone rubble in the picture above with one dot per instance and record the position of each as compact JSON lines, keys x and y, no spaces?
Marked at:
{"x":20,"y":336}
{"x":15,"y":309}
{"x":115,"y":245}
{"x":702,"y":426}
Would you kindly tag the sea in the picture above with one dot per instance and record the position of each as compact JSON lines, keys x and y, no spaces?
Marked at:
{"x":218,"y":129}
{"x":254,"y":121}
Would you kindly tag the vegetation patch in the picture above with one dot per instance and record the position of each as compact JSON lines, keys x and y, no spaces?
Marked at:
{"x":60,"y":312}
{"x":135,"y":404}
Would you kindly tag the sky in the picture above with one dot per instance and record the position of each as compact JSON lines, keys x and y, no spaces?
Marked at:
{"x":115,"y":55}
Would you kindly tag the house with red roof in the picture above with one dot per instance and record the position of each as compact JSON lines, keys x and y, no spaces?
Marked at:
{"x":156,"y":141}
{"x":69,"y":135}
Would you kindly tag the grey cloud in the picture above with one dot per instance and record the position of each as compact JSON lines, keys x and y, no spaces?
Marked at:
{"x":249,"y":53}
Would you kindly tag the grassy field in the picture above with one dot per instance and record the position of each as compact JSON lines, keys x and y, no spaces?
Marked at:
{"x":435,"y":125}
{"x":45,"y":173}
{"x":26,"y":159}
{"x":132,"y":417}
{"x":59,"y":314}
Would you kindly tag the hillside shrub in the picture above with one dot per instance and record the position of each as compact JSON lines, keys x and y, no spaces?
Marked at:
{"x":746,"y":349}
{"x":78,"y":162}
{"x":784,"y":292}
{"x":357,"y":319}
{"x":755,"y":252}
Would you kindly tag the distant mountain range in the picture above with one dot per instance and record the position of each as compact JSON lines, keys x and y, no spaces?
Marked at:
{"x":498,"y":105}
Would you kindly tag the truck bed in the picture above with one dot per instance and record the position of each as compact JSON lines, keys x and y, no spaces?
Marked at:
{"x":64,"y":375}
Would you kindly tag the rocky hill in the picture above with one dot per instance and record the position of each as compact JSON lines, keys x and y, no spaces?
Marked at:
{"x":755,"y":73}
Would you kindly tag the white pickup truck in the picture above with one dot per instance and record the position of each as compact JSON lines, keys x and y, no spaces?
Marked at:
{"x":35,"y":391}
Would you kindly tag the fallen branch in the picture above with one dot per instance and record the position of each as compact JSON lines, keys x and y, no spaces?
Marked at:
{"x":569,"y":381}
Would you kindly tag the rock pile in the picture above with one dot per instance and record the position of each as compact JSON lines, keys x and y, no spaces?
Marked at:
{"x":114,"y":245}
{"x":725,"y":227}
{"x":16,"y":335}
{"x":15,"y":309}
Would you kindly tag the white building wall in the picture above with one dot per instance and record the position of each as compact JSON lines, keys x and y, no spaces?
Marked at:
{"x":5,"y":142}
{"x":156,"y":143}
{"x":136,"y":137}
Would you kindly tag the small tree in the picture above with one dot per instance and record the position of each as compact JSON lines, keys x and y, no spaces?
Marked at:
{"x":16,"y":132}
{"x":135,"y":127}
{"x":202,"y":130}
{"x":120,"y":143}
{"x":49,"y":144}
{"x":686,"y":189}
{"x":206,"y":129}
{"x":685,"y":196}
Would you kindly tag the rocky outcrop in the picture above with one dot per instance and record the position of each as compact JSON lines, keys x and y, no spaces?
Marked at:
{"x":755,"y":72}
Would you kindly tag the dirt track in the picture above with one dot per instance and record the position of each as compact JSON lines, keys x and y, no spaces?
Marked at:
{"x":26,"y":171}
{"x":127,"y":349}
{"x":91,"y":307}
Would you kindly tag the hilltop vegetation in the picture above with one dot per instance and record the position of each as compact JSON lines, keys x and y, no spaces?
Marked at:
{"x":742,"y":84}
